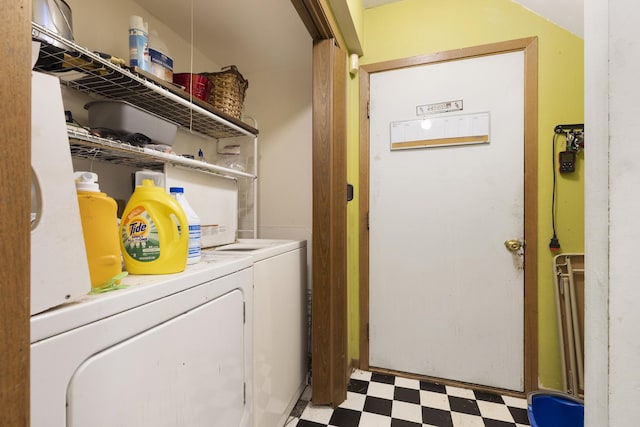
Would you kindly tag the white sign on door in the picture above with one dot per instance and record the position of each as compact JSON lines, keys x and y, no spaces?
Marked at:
{"x":440,"y":130}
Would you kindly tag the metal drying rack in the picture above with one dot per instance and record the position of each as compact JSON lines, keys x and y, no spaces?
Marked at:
{"x":102,"y":76}
{"x":569,"y":298}
{"x":89,"y":72}
{"x":87,"y":146}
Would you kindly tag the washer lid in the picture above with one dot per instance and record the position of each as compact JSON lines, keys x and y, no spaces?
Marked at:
{"x":261,"y":249}
{"x":142,"y":290}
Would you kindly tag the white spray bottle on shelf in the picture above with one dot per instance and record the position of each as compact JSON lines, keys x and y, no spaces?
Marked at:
{"x":138,"y":43}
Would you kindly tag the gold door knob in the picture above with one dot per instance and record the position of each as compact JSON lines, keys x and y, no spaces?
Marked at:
{"x":513,"y":245}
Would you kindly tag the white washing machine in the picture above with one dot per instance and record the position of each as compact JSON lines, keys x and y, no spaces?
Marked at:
{"x":170,"y":350}
{"x":280,"y":325}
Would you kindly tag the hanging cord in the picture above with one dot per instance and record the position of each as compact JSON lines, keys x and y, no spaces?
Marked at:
{"x":554,"y":243}
{"x":191,"y":72}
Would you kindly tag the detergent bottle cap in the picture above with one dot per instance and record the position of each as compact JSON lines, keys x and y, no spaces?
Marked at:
{"x":86,"y":181}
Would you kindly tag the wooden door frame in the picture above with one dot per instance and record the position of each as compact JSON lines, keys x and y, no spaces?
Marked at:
{"x":329,"y":293}
{"x":330,"y":367}
{"x":529,"y":46}
{"x":15,"y":178}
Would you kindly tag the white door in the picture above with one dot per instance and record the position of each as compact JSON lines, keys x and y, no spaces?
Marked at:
{"x":446,"y":296}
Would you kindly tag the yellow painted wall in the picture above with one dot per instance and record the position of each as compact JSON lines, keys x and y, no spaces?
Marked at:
{"x":353,"y":218}
{"x":357,"y":15}
{"x":415,"y":27}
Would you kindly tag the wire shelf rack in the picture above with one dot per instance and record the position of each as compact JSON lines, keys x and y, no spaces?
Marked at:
{"x":89,"y":72}
{"x":91,"y":147}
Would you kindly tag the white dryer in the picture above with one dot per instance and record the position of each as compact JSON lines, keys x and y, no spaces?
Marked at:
{"x":280,"y":325}
{"x":170,"y":350}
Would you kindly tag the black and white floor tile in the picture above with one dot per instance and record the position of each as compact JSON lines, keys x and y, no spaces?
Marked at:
{"x":378,"y":400}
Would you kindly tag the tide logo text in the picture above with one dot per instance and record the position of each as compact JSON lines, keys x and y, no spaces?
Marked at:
{"x":137,"y":227}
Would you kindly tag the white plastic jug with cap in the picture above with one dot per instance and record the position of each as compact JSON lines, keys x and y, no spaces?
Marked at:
{"x":195,"y":247}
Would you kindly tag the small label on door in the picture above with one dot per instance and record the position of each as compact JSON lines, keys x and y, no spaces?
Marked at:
{"x":439,"y":107}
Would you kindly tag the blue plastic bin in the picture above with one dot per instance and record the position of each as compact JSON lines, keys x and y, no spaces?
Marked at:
{"x":554,"y":409}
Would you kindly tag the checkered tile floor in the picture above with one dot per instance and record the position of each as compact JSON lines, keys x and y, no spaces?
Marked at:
{"x":377,"y":400}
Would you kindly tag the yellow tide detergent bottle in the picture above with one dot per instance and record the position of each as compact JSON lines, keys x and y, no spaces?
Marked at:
{"x":151,"y":241}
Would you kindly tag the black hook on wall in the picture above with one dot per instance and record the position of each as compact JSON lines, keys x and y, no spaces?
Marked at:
{"x":569,"y":128}
{"x":574,"y":135}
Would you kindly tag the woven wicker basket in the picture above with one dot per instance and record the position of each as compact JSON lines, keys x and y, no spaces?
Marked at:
{"x":228,"y":88}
